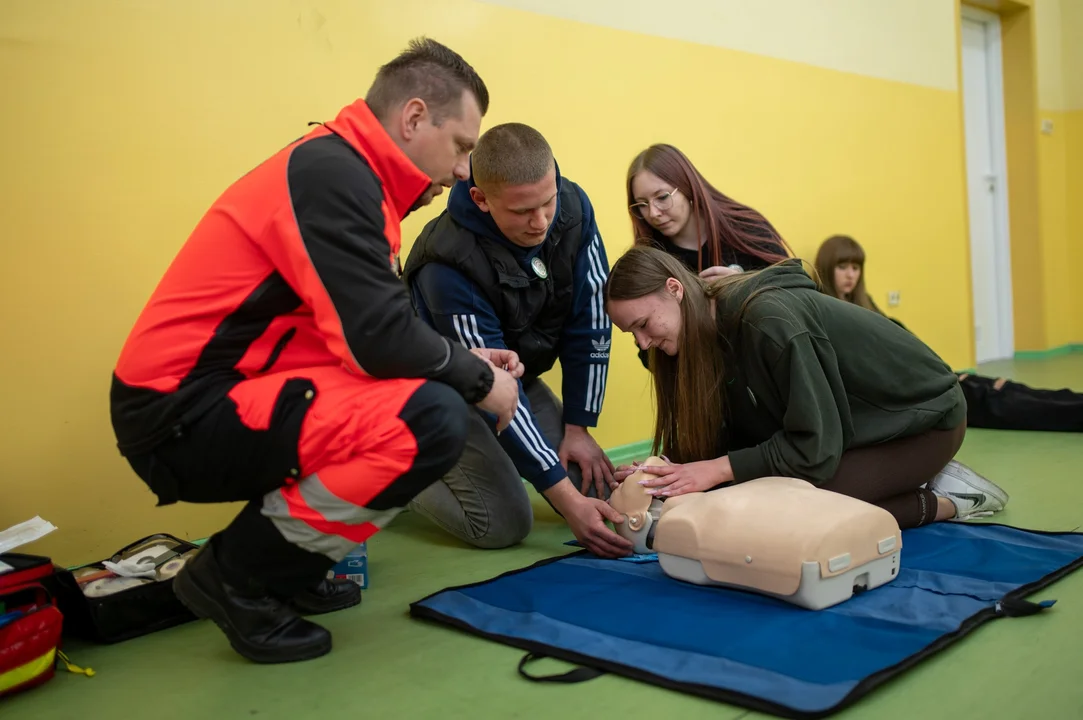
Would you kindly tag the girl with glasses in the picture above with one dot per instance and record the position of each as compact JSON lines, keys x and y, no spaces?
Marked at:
{"x":675,"y":209}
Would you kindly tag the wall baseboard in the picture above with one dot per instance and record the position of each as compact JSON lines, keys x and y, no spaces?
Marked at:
{"x":624,"y":454}
{"x":1050,"y":353}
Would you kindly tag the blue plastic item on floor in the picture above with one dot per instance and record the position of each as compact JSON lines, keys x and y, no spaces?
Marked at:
{"x":752,"y":650}
{"x":633,"y":558}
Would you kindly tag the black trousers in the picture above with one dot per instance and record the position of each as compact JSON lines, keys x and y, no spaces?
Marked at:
{"x":220,"y":459}
{"x":1016,"y":406}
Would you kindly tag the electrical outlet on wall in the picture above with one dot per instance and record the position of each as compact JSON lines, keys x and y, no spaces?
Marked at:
{"x":893,"y":298}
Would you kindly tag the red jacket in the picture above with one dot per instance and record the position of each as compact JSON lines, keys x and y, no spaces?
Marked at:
{"x":294,"y":266}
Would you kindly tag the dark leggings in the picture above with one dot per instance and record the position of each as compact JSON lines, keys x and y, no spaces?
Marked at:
{"x":891,"y":474}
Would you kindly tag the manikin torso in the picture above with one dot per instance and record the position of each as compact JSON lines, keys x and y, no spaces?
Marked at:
{"x":777,"y":536}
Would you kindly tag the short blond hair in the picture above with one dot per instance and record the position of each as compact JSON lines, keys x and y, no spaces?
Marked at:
{"x":510,"y":154}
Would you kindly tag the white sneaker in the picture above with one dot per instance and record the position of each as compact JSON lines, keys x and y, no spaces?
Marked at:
{"x":972,"y":495}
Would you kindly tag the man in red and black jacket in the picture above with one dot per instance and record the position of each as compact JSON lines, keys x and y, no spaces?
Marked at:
{"x":279,"y":360}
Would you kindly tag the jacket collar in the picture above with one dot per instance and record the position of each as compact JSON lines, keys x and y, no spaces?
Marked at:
{"x":403,"y":182}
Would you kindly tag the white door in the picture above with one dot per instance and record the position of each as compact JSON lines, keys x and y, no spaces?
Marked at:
{"x":986,"y":172}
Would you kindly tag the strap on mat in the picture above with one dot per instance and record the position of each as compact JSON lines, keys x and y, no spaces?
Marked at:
{"x":578,"y":675}
{"x":1018,"y":607}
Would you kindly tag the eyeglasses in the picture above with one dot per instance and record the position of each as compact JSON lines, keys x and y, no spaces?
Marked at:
{"x":662,"y":202}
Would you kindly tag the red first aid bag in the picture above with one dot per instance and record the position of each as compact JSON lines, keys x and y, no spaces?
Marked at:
{"x":30,"y":624}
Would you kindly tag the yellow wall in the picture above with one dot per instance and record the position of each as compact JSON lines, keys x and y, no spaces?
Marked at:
{"x":1072,"y":48}
{"x":1053,"y":168}
{"x":1074,"y":193}
{"x":1058,"y":272}
{"x":1059,"y":46}
{"x":911,"y":41}
{"x":125,"y":119}
{"x":1029,"y":302}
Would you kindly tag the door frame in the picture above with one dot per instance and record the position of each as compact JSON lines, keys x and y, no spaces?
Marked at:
{"x":1002,"y":236}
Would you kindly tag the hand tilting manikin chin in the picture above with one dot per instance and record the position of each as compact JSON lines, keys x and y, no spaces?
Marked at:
{"x":655,"y":321}
{"x":680,"y":478}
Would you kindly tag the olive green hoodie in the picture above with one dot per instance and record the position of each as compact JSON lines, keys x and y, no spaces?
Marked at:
{"x":809,"y":376}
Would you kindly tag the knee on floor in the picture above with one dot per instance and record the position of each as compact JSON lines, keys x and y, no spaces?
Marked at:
{"x":439,"y":419}
{"x":510,"y":528}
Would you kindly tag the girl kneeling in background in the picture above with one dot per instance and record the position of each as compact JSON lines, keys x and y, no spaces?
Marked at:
{"x":993,"y":403}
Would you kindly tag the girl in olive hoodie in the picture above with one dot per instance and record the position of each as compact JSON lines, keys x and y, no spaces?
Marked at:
{"x":760,"y":374}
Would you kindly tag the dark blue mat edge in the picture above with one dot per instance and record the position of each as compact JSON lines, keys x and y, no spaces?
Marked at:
{"x":537,"y":650}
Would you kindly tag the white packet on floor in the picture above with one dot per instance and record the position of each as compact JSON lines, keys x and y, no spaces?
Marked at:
{"x":25,"y":532}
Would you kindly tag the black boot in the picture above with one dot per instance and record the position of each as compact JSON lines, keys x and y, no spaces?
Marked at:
{"x":259,"y":626}
{"x":330,"y":595}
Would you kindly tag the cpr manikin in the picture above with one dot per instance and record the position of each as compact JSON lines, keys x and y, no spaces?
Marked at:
{"x":776,"y":536}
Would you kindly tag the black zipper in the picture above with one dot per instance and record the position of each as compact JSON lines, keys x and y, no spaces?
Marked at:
{"x":278,"y":348}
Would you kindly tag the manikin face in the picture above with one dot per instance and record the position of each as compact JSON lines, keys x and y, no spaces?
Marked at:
{"x":440,"y":151}
{"x":660,"y":204}
{"x":846,"y":276}
{"x":522,"y":212}
{"x":654,"y":320}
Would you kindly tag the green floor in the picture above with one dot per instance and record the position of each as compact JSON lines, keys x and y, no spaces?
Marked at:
{"x":387,"y":665}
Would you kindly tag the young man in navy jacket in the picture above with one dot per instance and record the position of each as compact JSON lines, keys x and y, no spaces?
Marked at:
{"x":516,"y":262}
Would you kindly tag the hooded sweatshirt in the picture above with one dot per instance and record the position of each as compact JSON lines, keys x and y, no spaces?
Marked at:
{"x":458,"y":309}
{"x":809,"y":376}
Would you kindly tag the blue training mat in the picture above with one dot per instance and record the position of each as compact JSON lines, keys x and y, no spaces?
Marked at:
{"x":752,"y":650}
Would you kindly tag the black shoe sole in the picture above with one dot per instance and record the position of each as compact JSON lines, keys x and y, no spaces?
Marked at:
{"x":343,"y":604}
{"x":203,"y":605}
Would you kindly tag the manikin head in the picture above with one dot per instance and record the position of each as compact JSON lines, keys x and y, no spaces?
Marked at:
{"x":431,"y":103}
{"x":515,"y":181}
{"x":639,"y":509}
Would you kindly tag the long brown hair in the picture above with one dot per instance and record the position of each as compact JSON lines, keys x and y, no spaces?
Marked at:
{"x":728,"y":223}
{"x":688,"y":388}
{"x":835,"y":251}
